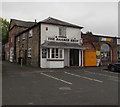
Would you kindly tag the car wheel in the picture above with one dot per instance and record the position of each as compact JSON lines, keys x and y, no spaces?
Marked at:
{"x":112,"y":69}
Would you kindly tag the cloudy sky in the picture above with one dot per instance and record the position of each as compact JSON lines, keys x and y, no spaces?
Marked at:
{"x":97,"y":17}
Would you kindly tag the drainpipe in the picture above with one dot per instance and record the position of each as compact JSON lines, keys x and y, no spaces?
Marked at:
{"x":39,"y":46}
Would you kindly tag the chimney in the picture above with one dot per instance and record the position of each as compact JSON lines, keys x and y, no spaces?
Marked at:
{"x":35,"y":21}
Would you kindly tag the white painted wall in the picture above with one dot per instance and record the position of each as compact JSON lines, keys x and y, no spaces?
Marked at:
{"x":55,"y":64}
{"x":53,"y":30}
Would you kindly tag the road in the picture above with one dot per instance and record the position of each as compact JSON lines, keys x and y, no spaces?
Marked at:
{"x":68,"y":86}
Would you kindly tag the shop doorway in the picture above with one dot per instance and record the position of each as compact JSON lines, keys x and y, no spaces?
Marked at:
{"x":74,"y":57}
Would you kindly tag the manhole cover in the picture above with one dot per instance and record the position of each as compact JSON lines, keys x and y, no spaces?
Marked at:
{"x":65,"y":88}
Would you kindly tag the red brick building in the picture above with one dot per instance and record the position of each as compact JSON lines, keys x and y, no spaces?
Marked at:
{"x":16,"y":26}
{"x":106,"y":47}
{"x":7,"y":51}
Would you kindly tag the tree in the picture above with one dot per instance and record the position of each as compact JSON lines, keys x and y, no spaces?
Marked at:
{"x":4,"y":27}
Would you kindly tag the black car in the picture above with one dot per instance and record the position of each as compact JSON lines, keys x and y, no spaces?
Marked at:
{"x":114,"y":67}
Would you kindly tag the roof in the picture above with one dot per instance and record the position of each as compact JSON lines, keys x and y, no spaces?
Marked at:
{"x":54,"y":21}
{"x":23,"y":23}
{"x":49,"y":20}
{"x":98,"y":35}
{"x":64,"y":45}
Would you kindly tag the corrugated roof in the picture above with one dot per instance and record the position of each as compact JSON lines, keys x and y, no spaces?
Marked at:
{"x":64,"y":45}
{"x":54,"y":21}
{"x":23,"y":23}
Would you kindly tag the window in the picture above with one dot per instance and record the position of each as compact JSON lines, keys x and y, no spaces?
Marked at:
{"x":48,"y":53}
{"x":23,"y":36}
{"x":62,"y":31}
{"x":30,"y":33}
{"x":105,"y":52}
{"x":44,"y":53}
{"x":18,"y":38}
{"x":29,"y":52}
{"x":11,"y":39}
{"x":60,"y":53}
{"x":55,"y":53}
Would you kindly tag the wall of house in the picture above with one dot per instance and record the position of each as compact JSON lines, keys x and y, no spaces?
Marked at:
{"x":53,"y":31}
{"x":29,"y":42}
{"x":7,"y":51}
{"x":14,"y":30}
{"x":92,"y":43}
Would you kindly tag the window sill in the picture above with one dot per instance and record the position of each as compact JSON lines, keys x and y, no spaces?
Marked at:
{"x":55,"y":59}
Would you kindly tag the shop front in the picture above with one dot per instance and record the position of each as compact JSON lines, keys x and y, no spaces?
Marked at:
{"x":61,"y":54}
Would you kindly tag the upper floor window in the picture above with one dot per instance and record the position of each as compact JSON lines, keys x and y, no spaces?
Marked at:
{"x":62,"y":31}
{"x":23,"y":36}
{"x":11,"y":40}
{"x":18,"y":39}
{"x":29,"y":52}
{"x":30,"y":33}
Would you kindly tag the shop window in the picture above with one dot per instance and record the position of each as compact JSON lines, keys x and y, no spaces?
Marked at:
{"x":60,"y":53}
{"x":44,"y":52}
{"x":30,"y":33}
{"x":105,"y":52}
{"x":55,"y":53}
{"x":29,"y":52}
{"x":62,"y":31}
{"x":48,"y":53}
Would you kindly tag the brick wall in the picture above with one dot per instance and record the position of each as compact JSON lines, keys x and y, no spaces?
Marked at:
{"x":14,"y":30}
{"x":92,"y":42}
{"x":29,"y":42}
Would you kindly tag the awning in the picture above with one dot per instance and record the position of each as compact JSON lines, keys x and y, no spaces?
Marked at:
{"x":64,"y":45}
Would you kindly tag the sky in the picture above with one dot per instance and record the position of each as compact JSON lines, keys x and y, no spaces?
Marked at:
{"x":98,"y":17}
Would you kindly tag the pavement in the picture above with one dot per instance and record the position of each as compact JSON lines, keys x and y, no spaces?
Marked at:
{"x":69,"y":86}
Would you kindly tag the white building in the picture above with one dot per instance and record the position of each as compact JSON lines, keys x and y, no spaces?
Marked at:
{"x":61,"y":44}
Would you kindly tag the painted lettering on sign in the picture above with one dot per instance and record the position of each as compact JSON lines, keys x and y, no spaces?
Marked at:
{"x":74,"y":40}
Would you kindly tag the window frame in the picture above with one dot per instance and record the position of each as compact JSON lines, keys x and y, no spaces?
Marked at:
{"x":30,"y":33}
{"x":29,"y":52}
{"x":44,"y":55}
{"x":62,"y":31}
{"x":23,"y":36}
{"x":56,"y":53}
{"x":18,"y":39}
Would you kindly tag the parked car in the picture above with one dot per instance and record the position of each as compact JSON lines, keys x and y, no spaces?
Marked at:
{"x":114,"y":67}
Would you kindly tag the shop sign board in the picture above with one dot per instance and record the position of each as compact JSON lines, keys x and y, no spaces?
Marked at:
{"x":60,"y":39}
{"x":105,"y":39}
